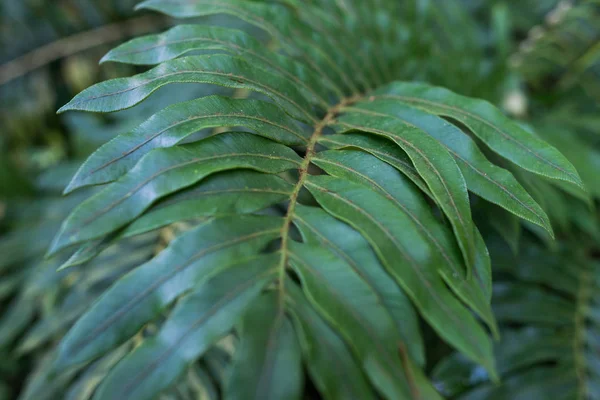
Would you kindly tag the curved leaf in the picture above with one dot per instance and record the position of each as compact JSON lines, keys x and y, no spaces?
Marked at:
{"x":142,"y":294}
{"x":268,"y":363}
{"x":322,"y":347}
{"x":199,"y":320}
{"x":408,"y":258}
{"x":381,"y":148}
{"x":164,"y":171}
{"x":490,"y":125}
{"x":350,"y":305}
{"x":492,"y":183}
{"x":433,"y":162}
{"x":319,"y":228}
{"x":364,"y":169}
{"x":223,"y":70}
{"x":181,"y":39}
{"x":173,"y":124}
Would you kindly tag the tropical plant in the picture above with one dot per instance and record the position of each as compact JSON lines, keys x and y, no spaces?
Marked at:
{"x":333,"y":272}
{"x":327,"y":208}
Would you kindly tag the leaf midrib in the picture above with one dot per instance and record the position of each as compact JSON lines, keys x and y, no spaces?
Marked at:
{"x":303,"y":175}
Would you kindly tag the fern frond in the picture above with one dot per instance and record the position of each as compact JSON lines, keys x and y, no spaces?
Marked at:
{"x":300,"y":262}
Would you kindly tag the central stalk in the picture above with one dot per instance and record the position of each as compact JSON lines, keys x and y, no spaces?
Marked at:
{"x":332,"y":112}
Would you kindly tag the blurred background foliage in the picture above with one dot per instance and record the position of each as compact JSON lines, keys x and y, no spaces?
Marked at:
{"x":539,"y":59}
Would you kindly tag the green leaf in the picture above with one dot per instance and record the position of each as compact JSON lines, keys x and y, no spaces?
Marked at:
{"x":223,"y":70}
{"x":164,"y":171}
{"x":143,"y":294}
{"x":328,"y":359}
{"x":173,"y":124}
{"x":267,"y":363}
{"x":483,"y":178}
{"x":226,"y":193}
{"x":433,"y":162}
{"x":320,"y":229}
{"x":197,"y":322}
{"x":181,"y":39}
{"x":490,"y":125}
{"x":323,"y":53}
{"x":348,"y":303}
{"x":408,"y":258}
{"x":381,"y":148}
{"x":364,"y":169}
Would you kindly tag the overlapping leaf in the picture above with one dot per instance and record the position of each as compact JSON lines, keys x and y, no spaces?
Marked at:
{"x":335,"y":275}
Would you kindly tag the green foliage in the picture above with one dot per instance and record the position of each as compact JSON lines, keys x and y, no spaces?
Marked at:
{"x":321,"y":221}
{"x":546,"y":301}
{"x":547,"y":306}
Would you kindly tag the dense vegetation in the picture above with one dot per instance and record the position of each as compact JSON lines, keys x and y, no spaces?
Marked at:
{"x":336,"y":199}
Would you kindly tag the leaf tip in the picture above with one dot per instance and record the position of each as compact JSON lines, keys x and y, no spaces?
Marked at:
{"x":550,"y":232}
{"x":50,"y":252}
{"x":493,"y":325}
{"x":56,"y":246}
{"x":142,"y":5}
{"x":72,"y":186}
{"x":64,"y":266}
{"x":66,"y":107}
{"x":106,"y":58}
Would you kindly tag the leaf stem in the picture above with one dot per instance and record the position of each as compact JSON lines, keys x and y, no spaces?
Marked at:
{"x":303,"y":174}
{"x":79,"y":42}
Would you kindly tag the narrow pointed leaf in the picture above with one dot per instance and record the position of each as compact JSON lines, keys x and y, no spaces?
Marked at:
{"x":483,"y":178}
{"x":222,"y":70}
{"x":181,"y":39}
{"x":267,"y":364}
{"x":381,"y":148}
{"x":319,"y":228}
{"x":199,"y":320}
{"x":324,"y":54}
{"x":228,"y":193}
{"x":144,"y":293}
{"x":334,"y":370}
{"x":435,"y":165}
{"x":363,"y":168}
{"x":408,"y":258}
{"x":164,"y":171}
{"x":350,"y":305}
{"x":490,"y":125}
{"x":173,"y":124}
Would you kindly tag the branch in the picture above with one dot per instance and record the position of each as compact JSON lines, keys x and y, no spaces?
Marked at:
{"x":76,"y":43}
